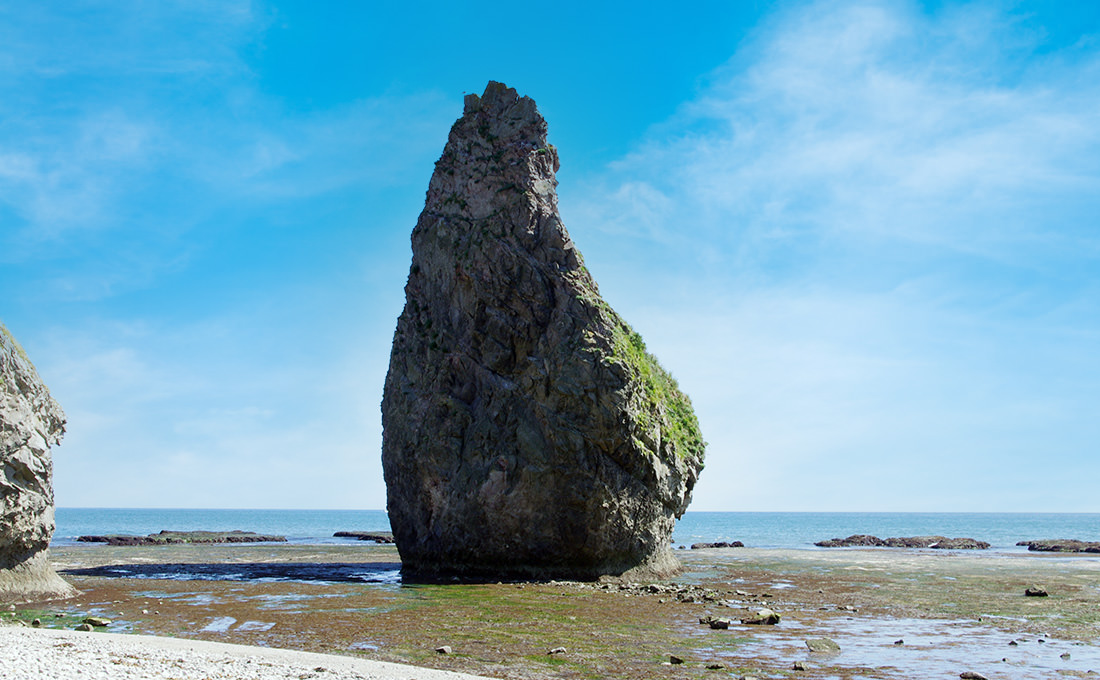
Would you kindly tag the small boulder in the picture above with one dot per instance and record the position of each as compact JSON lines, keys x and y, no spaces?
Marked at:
{"x":97,"y":621}
{"x":822,"y":645}
{"x":674,"y":660}
{"x":445,"y":649}
{"x":85,"y":627}
{"x":1036,"y":591}
{"x":972,"y":675}
{"x":798,"y":666}
{"x":557,"y":650}
{"x":761,"y":617}
{"x":719,"y":624}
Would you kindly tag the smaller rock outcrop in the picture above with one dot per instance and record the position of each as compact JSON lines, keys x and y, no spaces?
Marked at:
{"x":177,"y":537}
{"x":719,"y":544}
{"x":30,"y":421}
{"x":1065,"y":545}
{"x":934,"y":542}
{"x":374,"y":536}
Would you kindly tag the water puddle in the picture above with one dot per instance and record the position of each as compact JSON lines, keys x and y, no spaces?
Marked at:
{"x":254,"y":627}
{"x":923,"y":648}
{"x":219,"y":625}
{"x":380,"y":573}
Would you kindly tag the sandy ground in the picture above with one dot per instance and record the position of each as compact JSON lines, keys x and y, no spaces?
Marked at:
{"x":894,"y":613}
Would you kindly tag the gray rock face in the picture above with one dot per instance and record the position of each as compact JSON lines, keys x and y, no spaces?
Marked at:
{"x":30,"y":421}
{"x":526,"y":430}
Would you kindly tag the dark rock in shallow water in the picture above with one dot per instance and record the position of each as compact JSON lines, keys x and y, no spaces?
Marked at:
{"x":1067,"y":545}
{"x":936,"y":542}
{"x":719,"y":544}
{"x":172,"y":537}
{"x":30,"y":422}
{"x":527,"y":432}
{"x":376,"y":536}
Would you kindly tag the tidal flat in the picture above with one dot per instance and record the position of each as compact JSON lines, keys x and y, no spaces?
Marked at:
{"x":893,"y":613}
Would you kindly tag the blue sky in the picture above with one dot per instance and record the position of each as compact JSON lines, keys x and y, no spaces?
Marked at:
{"x":863,"y":235}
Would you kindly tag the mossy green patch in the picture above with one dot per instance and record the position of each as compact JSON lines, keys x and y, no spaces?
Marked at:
{"x":666,"y":402}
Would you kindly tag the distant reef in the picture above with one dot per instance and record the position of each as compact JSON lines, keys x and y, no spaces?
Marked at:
{"x":1065,"y":545}
{"x":527,"y":430}
{"x":173,"y":537}
{"x":937,"y":542}
{"x":375,"y":536}
{"x":30,"y":422}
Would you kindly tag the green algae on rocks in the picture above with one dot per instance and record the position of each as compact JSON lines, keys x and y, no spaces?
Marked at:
{"x":527,"y":431}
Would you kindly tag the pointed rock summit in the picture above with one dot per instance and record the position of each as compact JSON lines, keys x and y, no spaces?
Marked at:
{"x":30,"y":421}
{"x":527,"y":432}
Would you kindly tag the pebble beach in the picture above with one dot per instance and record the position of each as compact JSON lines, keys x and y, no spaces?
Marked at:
{"x":43,"y":654}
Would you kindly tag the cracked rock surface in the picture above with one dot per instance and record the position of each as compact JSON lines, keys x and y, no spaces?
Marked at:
{"x":527,"y":432}
{"x":30,"y":422}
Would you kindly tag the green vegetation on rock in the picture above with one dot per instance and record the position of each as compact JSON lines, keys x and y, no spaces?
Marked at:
{"x":678,"y":425}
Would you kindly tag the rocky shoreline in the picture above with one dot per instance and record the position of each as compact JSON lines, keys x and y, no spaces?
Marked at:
{"x":953,"y":612}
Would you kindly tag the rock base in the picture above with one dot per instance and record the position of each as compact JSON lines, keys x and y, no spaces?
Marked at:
{"x":33,"y":580}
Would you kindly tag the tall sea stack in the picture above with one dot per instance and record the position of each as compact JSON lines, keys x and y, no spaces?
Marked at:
{"x":527,"y":432}
{"x":30,"y":421}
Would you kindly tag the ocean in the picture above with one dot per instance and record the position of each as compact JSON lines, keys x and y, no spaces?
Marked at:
{"x":755,"y":529}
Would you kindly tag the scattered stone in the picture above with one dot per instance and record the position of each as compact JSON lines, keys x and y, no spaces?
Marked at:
{"x":1065,"y":656}
{"x":936,"y":542}
{"x":85,"y":627}
{"x":714,"y":666}
{"x":521,"y":413}
{"x":899,"y":642}
{"x":176,"y":537}
{"x":98,"y":621}
{"x":822,"y":645}
{"x":30,"y":422}
{"x":1068,"y":545}
{"x":674,"y":660}
{"x":761,"y":617}
{"x":557,"y":650}
{"x":445,"y":649}
{"x":972,"y":675}
{"x":37,"y":623}
{"x":1036,"y":591}
{"x":719,"y":544}
{"x":798,"y":666}
{"x":1013,"y":643}
{"x":719,"y":624}
{"x":383,"y":537}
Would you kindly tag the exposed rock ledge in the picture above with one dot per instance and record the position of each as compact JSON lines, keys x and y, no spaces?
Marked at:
{"x":1066,"y":545}
{"x":376,"y":536}
{"x":30,"y":421}
{"x":938,"y":542}
{"x":168,"y":537}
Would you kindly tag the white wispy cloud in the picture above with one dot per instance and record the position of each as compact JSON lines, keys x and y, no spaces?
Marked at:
{"x":876,"y":226}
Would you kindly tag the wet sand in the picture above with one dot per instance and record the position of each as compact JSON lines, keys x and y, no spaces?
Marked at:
{"x":951,"y":611}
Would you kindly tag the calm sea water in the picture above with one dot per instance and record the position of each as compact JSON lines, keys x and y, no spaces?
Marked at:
{"x":754,"y":529}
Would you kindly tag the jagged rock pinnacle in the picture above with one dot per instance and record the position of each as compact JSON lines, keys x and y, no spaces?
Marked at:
{"x":526,"y":430}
